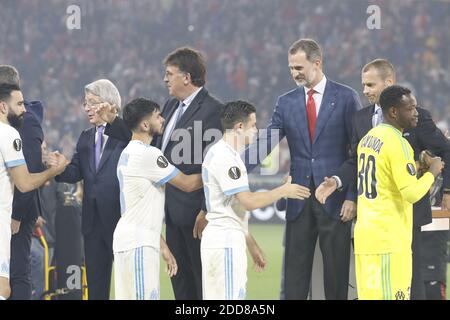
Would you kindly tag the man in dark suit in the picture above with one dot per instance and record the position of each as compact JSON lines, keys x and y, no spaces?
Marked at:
{"x":95,"y":162}
{"x":315,"y":118}
{"x":15,"y":173}
{"x":25,"y":205}
{"x":190,"y":114}
{"x":26,"y":208}
{"x":376,"y":76}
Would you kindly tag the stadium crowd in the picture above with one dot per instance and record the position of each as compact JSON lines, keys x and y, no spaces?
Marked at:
{"x":244,"y":42}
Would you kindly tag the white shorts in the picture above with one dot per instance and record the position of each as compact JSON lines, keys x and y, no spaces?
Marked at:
{"x":5,"y":248}
{"x":224,"y":271}
{"x":136,"y":274}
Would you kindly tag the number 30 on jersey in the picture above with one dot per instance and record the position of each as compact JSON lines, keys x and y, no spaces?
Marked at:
{"x":367,"y":182}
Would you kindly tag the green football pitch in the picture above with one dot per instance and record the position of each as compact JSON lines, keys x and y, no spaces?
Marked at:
{"x":260,"y":286}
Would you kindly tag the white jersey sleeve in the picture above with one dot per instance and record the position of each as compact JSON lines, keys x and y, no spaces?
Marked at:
{"x":156,"y":167}
{"x":11,"y":148}
{"x":231,"y":176}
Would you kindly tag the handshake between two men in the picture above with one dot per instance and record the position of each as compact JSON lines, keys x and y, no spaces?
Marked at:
{"x":427,"y":163}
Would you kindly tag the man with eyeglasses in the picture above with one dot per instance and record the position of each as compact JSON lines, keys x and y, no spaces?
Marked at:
{"x":95,"y":162}
{"x":189,"y":106}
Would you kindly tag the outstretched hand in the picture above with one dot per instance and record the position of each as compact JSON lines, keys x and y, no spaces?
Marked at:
{"x":325,"y":189}
{"x":295,"y":191}
{"x":57,"y":162}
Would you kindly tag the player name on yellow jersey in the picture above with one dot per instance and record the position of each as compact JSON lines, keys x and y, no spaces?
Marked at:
{"x":372,"y":142}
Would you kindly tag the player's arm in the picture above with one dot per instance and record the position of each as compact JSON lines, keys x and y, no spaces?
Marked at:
{"x":168,"y":257}
{"x":26,"y":181}
{"x":257,"y":254}
{"x":187,"y":182}
{"x":267,"y":138}
{"x":163,"y":172}
{"x":254,"y":200}
{"x":411,"y":188}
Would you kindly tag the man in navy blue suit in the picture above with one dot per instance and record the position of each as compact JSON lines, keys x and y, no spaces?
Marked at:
{"x":315,"y":118}
{"x":95,"y":162}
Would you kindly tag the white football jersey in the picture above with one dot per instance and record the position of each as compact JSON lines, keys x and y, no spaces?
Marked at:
{"x":142,"y":172}
{"x":11,"y":156}
{"x":224,"y":175}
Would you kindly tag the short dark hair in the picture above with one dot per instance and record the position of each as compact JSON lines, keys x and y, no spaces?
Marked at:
{"x":310,"y":47}
{"x":135,"y":111}
{"x":234,"y":112}
{"x":383,"y":66}
{"x":9,"y":75}
{"x":6,"y":89}
{"x":392,"y":97}
{"x":190,"y":61}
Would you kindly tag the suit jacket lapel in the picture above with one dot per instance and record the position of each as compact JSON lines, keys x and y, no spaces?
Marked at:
{"x":167,"y":113}
{"x":326,"y":108}
{"x":188,"y":114}
{"x":107,"y":151}
{"x":192,"y":109}
{"x":367,"y":121}
{"x":300,"y":116}
{"x":91,"y":149}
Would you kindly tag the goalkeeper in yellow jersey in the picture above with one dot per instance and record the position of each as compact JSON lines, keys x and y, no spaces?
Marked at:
{"x":387,"y":189}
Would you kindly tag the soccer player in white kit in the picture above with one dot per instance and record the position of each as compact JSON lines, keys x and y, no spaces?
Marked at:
{"x":142,"y":172}
{"x":228,"y":196}
{"x":14,"y":171}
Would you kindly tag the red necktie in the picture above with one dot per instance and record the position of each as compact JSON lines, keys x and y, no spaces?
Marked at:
{"x":311,"y":113}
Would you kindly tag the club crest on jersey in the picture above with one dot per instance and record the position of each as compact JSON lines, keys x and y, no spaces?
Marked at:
{"x":411,"y":169}
{"x":17,"y":144}
{"x":162,"y":162}
{"x":234,"y":173}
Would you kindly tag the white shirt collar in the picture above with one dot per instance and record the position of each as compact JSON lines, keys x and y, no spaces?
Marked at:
{"x":319,"y":88}
{"x":189,"y":99}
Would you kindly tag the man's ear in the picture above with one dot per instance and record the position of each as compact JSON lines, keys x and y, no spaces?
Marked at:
{"x":187,"y":79}
{"x":238,"y":126}
{"x":388,"y":82}
{"x":393,"y":112}
{"x":144,"y":125}
{"x":318,"y":63}
{"x":3,"y":107}
{"x":115,"y":109}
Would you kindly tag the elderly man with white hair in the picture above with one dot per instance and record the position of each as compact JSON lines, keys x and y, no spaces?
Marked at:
{"x":95,"y":162}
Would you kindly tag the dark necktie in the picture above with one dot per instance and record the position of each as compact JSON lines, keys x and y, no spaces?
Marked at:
{"x":378,"y":118}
